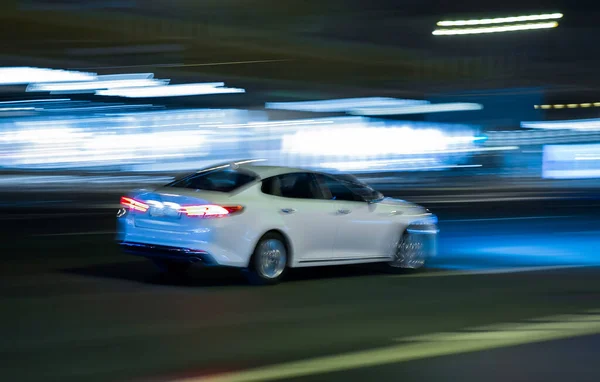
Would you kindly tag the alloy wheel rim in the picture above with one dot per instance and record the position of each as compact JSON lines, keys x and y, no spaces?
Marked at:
{"x":272,"y":258}
{"x":409,"y":253}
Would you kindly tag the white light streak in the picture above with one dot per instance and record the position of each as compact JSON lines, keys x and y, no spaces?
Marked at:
{"x":501,"y":20}
{"x":36,"y":101}
{"x":364,"y":141}
{"x":276,"y":124}
{"x":170,"y":91}
{"x":498,"y":29}
{"x":27,"y":75}
{"x":576,"y":124}
{"x":418,"y":109}
{"x":19,"y":109}
{"x":343,"y":104}
{"x":93,"y":85}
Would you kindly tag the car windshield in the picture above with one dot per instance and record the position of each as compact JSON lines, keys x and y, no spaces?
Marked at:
{"x":360,"y":188}
{"x":224,"y":180}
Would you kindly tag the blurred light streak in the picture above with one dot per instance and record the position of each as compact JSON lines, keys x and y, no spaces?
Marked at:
{"x":26,"y":75}
{"x":35,"y":101}
{"x":176,"y":140}
{"x":364,"y":141}
{"x":540,"y":136}
{"x":376,"y":165}
{"x":571,"y":161}
{"x":498,"y":29}
{"x":577,"y":124}
{"x":170,"y":91}
{"x":276,"y":124}
{"x":92,"y":86}
{"x":418,"y":109}
{"x":98,"y":108}
{"x":19,"y":109}
{"x":570,"y":106}
{"x":342,"y":105}
{"x":181,"y":65}
{"x":501,"y":20}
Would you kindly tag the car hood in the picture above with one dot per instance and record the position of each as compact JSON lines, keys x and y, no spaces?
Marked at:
{"x":392,"y":202}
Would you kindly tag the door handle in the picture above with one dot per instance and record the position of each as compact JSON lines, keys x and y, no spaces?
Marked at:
{"x":343,"y":212}
{"x":288,"y":210}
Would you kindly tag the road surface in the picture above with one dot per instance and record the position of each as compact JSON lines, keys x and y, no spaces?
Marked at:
{"x":75,"y":309}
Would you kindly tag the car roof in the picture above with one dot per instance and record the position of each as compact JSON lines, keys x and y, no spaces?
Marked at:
{"x":264,"y":171}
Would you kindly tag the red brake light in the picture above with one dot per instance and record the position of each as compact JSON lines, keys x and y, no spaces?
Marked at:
{"x":133,"y":204}
{"x":210,"y":210}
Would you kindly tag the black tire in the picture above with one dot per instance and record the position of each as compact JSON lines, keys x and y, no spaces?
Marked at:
{"x":172,"y":268}
{"x":255,"y":272}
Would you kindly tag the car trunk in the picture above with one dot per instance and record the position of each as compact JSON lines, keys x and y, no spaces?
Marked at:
{"x":165,"y":209}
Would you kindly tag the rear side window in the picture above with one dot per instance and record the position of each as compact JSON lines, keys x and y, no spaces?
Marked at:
{"x":295,"y":185}
{"x":226,"y":180}
{"x":335,"y":189}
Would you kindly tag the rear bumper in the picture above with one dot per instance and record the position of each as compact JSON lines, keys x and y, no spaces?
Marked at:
{"x":168,"y":253}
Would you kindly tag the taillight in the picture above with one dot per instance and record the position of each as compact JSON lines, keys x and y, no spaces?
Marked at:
{"x":210,"y":210}
{"x":133,"y":204}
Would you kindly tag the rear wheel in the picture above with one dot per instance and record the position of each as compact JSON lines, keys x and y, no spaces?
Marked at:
{"x":410,"y":254}
{"x":269,"y":261}
{"x":172,"y":268}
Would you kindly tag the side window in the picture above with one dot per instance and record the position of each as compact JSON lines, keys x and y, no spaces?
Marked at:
{"x":333,"y":189}
{"x":295,"y":185}
{"x":219,"y":181}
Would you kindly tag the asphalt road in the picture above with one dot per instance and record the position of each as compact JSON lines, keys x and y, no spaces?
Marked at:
{"x":73,"y":308}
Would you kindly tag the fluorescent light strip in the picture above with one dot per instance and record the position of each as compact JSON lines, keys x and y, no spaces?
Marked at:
{"x":419,"y":109}
{"x":501,"y":20}
{"x":170,"y":91}
{"x":63,"y":87}
{"x":498,"y":29}
{"x":27,"y":75}
{"x":342,"y":105}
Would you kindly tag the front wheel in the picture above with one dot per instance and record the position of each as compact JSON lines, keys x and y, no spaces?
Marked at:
{"x":410,"y":253}
{"x":269,"y":261}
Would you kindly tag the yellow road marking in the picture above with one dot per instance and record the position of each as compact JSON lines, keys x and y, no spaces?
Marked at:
{"x":427,"y":346}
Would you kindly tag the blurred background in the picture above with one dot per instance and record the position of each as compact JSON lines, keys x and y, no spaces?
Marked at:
{"x":486,"y":113}
{"x":127,"y":91}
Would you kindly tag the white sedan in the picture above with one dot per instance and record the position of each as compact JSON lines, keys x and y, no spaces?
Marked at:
{"x":266,"y":219}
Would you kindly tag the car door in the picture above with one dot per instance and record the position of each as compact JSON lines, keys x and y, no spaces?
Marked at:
{"x":363,"y":228}
{"x":309,"y":219}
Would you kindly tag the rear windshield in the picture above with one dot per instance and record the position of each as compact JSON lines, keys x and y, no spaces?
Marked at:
{"x":226,"y":180}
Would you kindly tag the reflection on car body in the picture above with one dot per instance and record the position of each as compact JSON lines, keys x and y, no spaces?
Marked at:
{"x":266,"y":219}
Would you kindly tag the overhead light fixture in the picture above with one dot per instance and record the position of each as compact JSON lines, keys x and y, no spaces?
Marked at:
{"x":495,"y":29}
{"x":417,"y":109}
{"x":501,"y":20}
{"x":170,"y":90}
{"x":342,"y":104}
{"x":27,"y":75}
